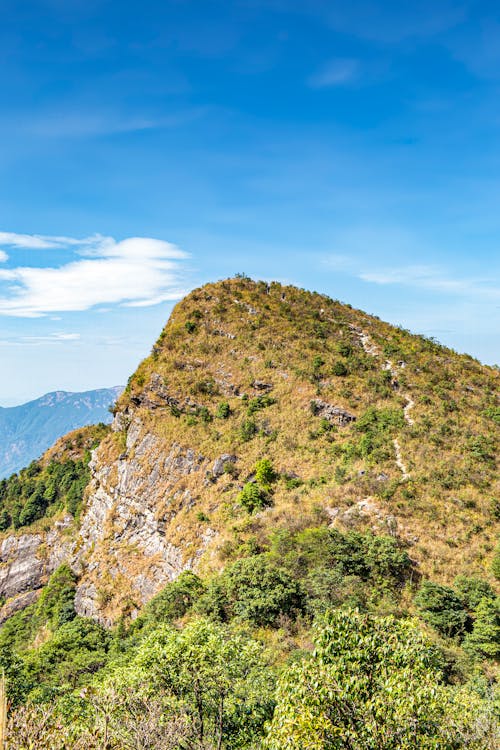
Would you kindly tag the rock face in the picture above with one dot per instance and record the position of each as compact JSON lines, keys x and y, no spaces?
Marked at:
{"x":26,"y":562}
{"x":133,"y":501}
{"x":22,"y":568}
{"x":123,"y":552}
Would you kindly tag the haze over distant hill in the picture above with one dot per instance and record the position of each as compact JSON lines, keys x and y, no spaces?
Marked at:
{"x":26,"y":431}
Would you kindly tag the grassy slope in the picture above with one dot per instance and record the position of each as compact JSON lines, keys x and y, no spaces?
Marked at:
{"x":222,"y":338}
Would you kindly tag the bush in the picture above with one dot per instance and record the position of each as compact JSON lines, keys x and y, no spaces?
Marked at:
{"x":441,"y":608}
{"x":223,"y":410}
{"x":259,"y":591}
{"x":258,"y":403}
{"x":495,"y":565}
{"x":372,"y":682}
{"x":252,"y":497}
{"x":339,"y":369}
{"x":264,"y":472}
{"x":472,"y":590}
{"x":248,"y":429}
{"x":173,"y":602}
{"x":484,"y":641}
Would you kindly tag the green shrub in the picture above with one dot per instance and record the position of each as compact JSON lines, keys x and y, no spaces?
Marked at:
{"x":223,"y":410}
{"x":442,"y":609}
{"x":173,"y":601}
{"x":252,"y":497}
{"x":472,"y":590}
{"x":259,"y":591}
{"x":248,"y":429}
{"x":339,"y":369}
{"x":373,"y":682}
{"x":265,"y":474}
{"x":484,"y":641}
{"x":495,"y":565}
{"x":258,"y":403}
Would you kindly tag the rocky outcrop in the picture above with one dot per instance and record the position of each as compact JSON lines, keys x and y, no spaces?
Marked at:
{"x":27,"y":560}
{"x":132,"y":506}
{"x":22,"y":568}
{"x":334,"y":414}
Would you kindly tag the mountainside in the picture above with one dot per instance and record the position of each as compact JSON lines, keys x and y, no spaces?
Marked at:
{"x":27,"y":431}
{"x":279,"y":455}
{"x":365,"y":425}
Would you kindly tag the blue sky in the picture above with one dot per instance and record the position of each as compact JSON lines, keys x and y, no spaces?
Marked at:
{"x":352,"y":148}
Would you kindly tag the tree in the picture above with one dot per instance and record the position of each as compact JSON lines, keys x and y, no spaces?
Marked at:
{"x":215,"y":676}
{"x":484,"y":640}
{"x":472,"y":590}
{"x":370,"y":683}
{"x":441,"y":607}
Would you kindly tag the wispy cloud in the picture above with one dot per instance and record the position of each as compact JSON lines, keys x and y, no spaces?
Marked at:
{"x":49,"y":338}
{"x":3,"y":256}
{"x":337,"y":72}
{"x":136,"y":272}
{"x":88,"y":124}
{"x":434,"y":279}
{"x":430,"y":277}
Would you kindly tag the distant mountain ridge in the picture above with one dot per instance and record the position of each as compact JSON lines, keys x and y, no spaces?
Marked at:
{"x":26,"y":431}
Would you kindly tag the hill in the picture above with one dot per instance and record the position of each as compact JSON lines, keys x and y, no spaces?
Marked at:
{"x":26,"y":431}
{"x":279,"y":460}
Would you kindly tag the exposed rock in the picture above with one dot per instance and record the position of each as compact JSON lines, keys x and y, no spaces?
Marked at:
{"x":129,"y":508}
{"x":17,"y":603}
{"x":259,"y":385}
{"x":334,"y":414}
{"x":22,"y":569}
{"x":219,"y":463}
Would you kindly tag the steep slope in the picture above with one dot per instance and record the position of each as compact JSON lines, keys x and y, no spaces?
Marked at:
{"x":265,"y":407}
{"x":28,"y":430}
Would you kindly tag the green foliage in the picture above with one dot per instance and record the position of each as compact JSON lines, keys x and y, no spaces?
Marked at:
{"x":345,"y":350}
{"x":253,"y":589}
{"x":265,"y":473}
{"x":258,"y":403}
{"x":495,"y":565}
{"x":442,"y":608}
{"x":252,"y":497}
{"x":173,"y":602}
{"x":248,"y":430}
{"x":482,"y":448}
{"x":371,"y":683}
{"x":40,"y":490}
{"x":333,"y":567}
{"x":223,"y":410}
{"x":484,"y":641}
{"x":216,"y":677}
{"x":471,"y":590}
{"x":190,"y":326}
{"x":339,"y":369}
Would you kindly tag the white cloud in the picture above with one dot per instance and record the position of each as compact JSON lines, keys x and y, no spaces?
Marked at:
{"x":429,"y":277}
{"x":3,"y":256}
{"x":336,"y":72}
{"x":138,"y":272}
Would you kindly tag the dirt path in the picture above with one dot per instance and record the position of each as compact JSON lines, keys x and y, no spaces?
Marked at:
{"x":399,"y":459}
{"x":374,"y":351}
